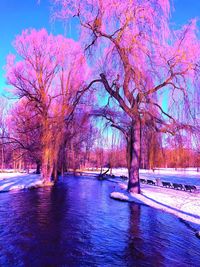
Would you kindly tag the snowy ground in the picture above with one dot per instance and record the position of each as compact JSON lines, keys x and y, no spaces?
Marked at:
{"x":184,"y":176}
{"x":17,"y":181}
{"x":183,"y":204}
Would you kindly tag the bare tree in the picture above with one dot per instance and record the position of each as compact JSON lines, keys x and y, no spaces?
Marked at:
{"x":45,"y":78}
{"x":141,"y":60}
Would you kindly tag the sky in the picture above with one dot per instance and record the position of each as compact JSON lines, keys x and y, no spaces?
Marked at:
{"x":17,"y":15}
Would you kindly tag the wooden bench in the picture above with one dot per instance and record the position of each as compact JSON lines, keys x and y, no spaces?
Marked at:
{"x":167,"y":184}
{"x":151,"y":182}
{"x":124,"y":177}
{"x":190,"y":188}
{"x":178,"y":186}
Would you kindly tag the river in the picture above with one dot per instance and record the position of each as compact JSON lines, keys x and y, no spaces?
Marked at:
{"x":75,"y":223}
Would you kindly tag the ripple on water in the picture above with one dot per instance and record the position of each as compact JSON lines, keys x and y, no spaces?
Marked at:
{"x":77,"y":224}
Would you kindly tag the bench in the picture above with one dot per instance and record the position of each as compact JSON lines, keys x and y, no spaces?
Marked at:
{"x":151,"y":182}
{"x":124,"y":177}
{"x":178,"y":186}
{"x":190,"y":187}
{"x":167,"y":184}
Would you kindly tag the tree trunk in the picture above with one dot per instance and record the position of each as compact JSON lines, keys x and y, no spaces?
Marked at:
{"x":38,"y":166}
{"x":2,"y":157}
{"x":47,"y":169}
{"x":55,"y":172}
{"x":133,"y":157}
{"x":63,"y":159}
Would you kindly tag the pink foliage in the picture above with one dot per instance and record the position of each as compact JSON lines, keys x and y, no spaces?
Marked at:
{"x":137,"y":26}
{"x":135,"y":46}
{"x":44,"y":62}
{"x":48,"y":75}
{"x":112,"y":14}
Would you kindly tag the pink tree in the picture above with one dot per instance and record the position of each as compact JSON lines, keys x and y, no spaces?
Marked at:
{"x":139,"y":61}
{"x":3,"y":111}
{"x":49,"y":73}
{"x":23,"y":133}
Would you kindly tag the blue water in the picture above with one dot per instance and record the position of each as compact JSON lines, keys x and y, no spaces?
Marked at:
{"x":77,"y":224}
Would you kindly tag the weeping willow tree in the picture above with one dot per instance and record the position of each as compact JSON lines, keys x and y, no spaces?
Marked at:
{"x":43,"y":76}
{"x":140,"y":61}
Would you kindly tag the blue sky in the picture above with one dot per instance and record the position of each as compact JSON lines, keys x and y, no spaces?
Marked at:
{"x":17,"y":15}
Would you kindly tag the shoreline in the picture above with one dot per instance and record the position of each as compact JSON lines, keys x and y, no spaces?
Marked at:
{"x":12,"y":182}
{"x":182,"y":204}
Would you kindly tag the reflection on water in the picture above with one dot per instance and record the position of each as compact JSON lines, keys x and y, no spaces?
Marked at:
{"x":77,"y":224}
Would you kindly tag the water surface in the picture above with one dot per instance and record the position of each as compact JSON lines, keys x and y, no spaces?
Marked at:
{"x":77,"y":224}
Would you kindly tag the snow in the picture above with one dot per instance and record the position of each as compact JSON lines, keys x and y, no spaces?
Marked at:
{"x":188,"y":176}
{"x":17,"y":181}
{"x":192,"y":172}
{"x":183,"y":204}
{"x":120,"y":196}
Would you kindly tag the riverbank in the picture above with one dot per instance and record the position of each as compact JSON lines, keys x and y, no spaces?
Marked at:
{"x":185,"y":205}
{"x":77,"y":224}
{"x":182,"y":204}
{"x":15,"y":181}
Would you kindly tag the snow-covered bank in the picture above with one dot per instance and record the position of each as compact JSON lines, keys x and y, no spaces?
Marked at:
{"x":184,"y":205}
{"x":172,"y":171}
{"x":187,"y":172}
{"x":18,"y":181}
{"x":183,"y":176}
